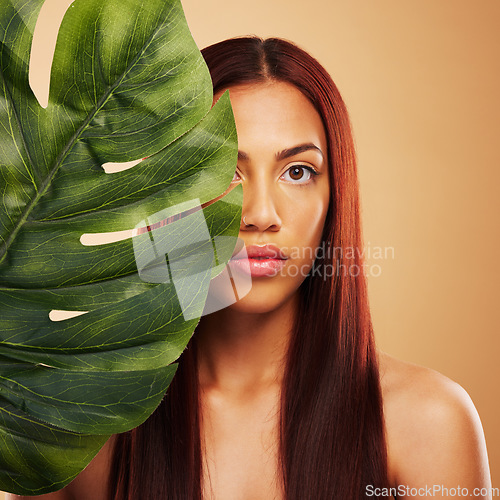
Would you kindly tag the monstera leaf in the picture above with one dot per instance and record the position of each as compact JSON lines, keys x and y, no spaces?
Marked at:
{"x":127,"y":82}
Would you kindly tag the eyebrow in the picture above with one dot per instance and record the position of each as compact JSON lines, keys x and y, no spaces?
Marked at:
{"x":288,"y":152}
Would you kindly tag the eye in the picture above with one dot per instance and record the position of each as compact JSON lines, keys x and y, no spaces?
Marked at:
{"x":299,"y":174}
{"x":236,"y":177}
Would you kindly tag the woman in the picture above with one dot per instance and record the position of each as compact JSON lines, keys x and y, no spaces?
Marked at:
{"x":283,"y":395}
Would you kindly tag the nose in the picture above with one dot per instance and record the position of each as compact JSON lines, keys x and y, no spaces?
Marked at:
{"x":259,"y":208}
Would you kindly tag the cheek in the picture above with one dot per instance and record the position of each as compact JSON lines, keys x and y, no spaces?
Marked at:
{"x":308,"y":220}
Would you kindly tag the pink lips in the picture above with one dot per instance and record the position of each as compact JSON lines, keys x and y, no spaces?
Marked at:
{"x":263,"y":260}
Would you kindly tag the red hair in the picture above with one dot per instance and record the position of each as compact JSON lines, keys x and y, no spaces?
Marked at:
{"x":332,"y":439}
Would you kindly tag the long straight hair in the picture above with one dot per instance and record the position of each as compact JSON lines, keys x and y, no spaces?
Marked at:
{"x":331,"y":426}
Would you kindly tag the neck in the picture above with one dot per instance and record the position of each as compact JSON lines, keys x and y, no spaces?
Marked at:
{"x":241,"y":352}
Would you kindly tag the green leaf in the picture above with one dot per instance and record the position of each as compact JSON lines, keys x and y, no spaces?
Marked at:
{"x":127,"y":82}
{"x":38,"y":458}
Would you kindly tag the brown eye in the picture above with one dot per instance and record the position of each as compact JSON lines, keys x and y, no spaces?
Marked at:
{"x":299,"y":174}
{"x":296,"y":173}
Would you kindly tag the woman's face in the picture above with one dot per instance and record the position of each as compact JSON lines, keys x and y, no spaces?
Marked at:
{"x":283,"y":167}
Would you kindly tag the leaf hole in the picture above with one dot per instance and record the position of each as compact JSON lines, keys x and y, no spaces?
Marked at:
{"x":43,"y":46}
{"x":60,"y":315}
{"x":113,"y":168}
{"x":95,"y":239}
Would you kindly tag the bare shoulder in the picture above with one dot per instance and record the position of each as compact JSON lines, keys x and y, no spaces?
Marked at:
{"x":434,"y":434}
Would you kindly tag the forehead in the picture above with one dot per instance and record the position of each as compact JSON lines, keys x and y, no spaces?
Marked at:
{"x":274,"y":115}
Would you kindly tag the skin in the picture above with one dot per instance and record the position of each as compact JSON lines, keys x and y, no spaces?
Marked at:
{"x":434,"y":434}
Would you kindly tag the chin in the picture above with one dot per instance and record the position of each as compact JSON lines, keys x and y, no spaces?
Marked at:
{"x":253,"y":306}
{"x":263,"y":298}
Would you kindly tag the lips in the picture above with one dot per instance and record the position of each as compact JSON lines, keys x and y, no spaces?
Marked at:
{"x":262,"y":260}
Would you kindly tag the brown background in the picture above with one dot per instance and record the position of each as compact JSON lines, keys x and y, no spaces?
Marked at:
{"x":421,"y":81}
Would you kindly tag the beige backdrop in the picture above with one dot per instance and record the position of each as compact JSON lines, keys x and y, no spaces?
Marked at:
{"x":421,"y":81}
